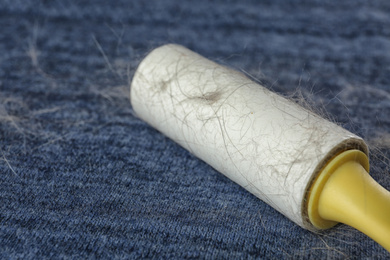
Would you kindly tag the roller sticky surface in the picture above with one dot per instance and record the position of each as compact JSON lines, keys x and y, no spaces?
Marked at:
{"x":269,"y":145}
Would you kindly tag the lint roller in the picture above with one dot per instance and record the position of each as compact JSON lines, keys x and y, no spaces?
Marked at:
{"x":311,"y":170}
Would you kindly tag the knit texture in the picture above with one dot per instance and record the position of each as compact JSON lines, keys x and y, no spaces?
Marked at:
{"x":82,"y":177}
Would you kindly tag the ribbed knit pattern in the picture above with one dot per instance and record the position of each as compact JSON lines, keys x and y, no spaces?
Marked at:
{"x":82,"y":177}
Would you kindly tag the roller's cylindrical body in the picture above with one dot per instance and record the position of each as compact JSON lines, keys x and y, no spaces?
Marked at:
{"x":269,"y":145}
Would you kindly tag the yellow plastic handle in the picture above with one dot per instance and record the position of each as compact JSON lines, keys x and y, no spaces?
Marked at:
{"x":345,"y":192}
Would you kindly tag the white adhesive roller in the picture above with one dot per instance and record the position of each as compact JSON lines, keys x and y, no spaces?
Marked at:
{"x":269,"y":145}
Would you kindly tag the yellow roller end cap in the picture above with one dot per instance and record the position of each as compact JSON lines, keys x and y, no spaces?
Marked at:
{"x":345,"y":192}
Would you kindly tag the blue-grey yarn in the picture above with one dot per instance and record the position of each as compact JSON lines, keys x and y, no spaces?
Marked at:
{"x":82,"y":177}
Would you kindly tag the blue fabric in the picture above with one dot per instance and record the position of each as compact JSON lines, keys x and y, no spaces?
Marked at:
{"x":82,"y":177}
